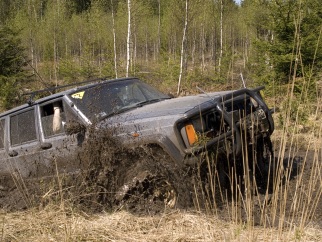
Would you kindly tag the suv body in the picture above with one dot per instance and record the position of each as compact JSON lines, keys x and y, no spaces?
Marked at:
{"x":34,"y":142}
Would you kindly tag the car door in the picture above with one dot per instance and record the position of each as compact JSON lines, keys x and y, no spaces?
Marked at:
{"x":23,"y":144}
{"x":59,"y":150}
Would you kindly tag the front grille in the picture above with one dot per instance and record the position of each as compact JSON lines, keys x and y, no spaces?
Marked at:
{"x":239,"y":107}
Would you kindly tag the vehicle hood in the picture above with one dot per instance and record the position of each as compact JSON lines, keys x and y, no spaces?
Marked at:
{"x":176,"y":107}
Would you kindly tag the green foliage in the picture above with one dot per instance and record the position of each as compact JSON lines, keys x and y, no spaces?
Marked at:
{"x":89,"y":69}
{"x":311,"y":27}
{"x":12,"y":59}
{"x":283,"y":46}
{"x":290,"y":44}
{"x":78,"y":6}
{"x":9,"y":92}
{"x":72,"y":40}
{"x":12,"y":62}
{"x":169,"y":71}
{"x":296,"y":112}
{"x":70,"y":70}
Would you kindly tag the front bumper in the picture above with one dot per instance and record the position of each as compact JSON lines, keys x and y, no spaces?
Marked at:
{"x":255,"y":123}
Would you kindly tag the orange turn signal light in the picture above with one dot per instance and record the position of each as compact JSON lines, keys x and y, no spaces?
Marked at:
{"x":191,"y":134}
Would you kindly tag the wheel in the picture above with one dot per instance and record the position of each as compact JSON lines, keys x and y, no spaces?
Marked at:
{"x":146,"y":186}
{"x":264,"y":164}
{"x":153,"y":183}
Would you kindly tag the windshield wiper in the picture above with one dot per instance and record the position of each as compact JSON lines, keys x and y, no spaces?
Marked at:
{"x":136,"y":105}
{"x":118,"y":111}
{"x":140,"y":104}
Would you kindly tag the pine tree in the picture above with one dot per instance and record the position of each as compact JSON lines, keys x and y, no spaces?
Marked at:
{"x":12,"y":63}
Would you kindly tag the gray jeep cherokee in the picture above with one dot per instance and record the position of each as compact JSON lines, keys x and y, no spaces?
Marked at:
{"x":36,"y":139}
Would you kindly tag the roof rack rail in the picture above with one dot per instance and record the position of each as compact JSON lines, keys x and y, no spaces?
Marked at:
{"x":49,"y":89}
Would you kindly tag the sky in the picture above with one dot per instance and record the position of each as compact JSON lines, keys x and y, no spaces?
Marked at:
{"x":237,"y":1}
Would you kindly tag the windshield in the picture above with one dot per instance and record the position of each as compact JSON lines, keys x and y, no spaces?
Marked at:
{"x":106,"y":99}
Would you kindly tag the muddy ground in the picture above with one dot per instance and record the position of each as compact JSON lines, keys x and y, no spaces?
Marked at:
{"x":145,"y":180}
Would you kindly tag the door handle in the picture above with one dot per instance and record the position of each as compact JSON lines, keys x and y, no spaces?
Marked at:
{"x":13,"y":153}
{"x":46,"y":146}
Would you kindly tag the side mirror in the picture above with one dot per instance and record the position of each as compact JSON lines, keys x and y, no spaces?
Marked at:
{"x":74,"y":127}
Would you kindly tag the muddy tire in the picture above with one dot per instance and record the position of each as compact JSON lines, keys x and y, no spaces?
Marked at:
{"x":154,"y":183}
{"x":264,"y":165}
{"x":140,"y":179}
{"x":212,"y":181}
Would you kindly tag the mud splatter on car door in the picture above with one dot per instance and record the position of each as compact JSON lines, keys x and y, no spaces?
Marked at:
{"x":23,"y":145}
{"x":60,"y":150}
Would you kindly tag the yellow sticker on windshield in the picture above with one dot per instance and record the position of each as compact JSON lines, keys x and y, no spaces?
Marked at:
{"x":78,"y":95}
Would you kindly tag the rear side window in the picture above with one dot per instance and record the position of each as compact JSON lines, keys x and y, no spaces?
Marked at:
{"x":2,"y":128}
{"x":23,"y":128}
{"x":54,"y":116}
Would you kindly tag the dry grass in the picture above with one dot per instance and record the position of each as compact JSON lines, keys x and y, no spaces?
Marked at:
{"x":54,"y":224}
{"x":63,"y":223}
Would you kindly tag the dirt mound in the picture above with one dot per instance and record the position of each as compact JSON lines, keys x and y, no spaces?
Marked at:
{"x":141,"y":179}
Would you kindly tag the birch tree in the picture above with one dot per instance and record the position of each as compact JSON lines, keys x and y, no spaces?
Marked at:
{"x":221,"y":35}
{"x":159,"y":27}
{"x":183,"y":47}
{"x":114,"y":39}
{"x":128,"y":39}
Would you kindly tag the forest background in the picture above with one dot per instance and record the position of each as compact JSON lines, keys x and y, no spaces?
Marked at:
{"x":174,"y":45}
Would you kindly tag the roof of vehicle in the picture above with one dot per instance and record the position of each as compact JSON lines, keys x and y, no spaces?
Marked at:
{"x":78,"y":87}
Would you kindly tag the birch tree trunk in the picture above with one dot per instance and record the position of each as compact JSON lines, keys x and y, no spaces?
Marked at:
{"x":128,"y":53}
{"x":203,"y":48}
{"x":55,"y":59}
{"x":183,"y":47}
{"x":159,"y":29}
{"x":146,"y":47}
{"x":221,"y":34}
{"x":114,"y":40}
{"x":193,"y":50}
{"x":31,"y":43}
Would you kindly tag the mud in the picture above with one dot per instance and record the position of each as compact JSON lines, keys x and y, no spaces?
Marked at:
{"x":115,"y":177}
{"x":145,"y":180}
